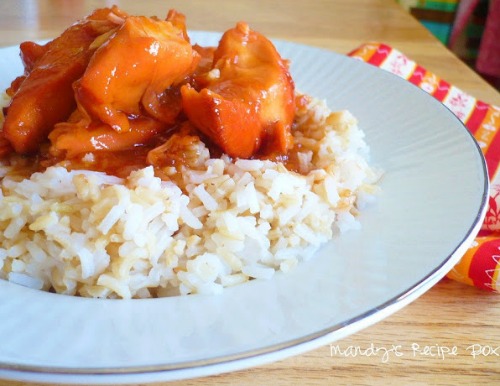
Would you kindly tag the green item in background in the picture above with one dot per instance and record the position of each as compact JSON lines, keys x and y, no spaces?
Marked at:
{"x":437,"y":16}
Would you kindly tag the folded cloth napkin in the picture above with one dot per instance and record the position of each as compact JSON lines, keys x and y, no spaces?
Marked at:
{"x":480,"y":266}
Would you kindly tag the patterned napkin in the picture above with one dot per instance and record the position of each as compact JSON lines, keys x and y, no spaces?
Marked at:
{"x":480,"y":266}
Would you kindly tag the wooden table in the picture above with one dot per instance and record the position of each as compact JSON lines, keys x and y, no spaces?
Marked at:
{"x":434,"y":339}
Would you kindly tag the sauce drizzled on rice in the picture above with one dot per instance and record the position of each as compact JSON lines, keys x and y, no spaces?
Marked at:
{"x":226,"y":222}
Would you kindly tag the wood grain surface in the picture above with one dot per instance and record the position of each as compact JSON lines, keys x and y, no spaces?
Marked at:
{"x":451,"y":334}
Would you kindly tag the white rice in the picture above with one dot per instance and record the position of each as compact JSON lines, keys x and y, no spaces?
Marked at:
{"x":94,"y":235}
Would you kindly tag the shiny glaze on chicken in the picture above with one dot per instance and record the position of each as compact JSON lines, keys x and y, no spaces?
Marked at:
{"x":114,"y":92}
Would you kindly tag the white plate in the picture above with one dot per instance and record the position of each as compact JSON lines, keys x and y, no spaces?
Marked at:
{"x":432,"y":204}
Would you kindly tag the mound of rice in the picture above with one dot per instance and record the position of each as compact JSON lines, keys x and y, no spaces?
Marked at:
{"x":226,"y":222}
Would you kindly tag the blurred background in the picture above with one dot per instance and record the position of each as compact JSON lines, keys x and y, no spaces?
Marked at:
{"x":469,"y":28}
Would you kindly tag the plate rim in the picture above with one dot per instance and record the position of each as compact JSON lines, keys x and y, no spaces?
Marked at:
{"x":271,"y":353}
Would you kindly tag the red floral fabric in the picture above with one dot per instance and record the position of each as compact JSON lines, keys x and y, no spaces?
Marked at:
{"x":480,"y":266}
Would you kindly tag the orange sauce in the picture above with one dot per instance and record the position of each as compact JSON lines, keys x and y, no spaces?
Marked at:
{"x":126,"y":97}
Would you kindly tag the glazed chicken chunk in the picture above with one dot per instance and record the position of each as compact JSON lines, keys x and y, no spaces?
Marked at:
{"x":247,"y":104}
{"x":115,"y":82}
{"x":44,"y":96}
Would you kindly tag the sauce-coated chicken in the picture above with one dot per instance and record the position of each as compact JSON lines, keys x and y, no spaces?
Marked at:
{"x":114,"y":83}
{"x":131,"y":70}
{"x":44,"y":95}
{"x":247,"y":104}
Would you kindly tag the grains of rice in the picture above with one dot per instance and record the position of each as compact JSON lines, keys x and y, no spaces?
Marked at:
{"x":90,"y":234}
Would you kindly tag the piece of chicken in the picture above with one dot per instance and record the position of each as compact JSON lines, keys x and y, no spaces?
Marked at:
{"x":74,"y":139}
{"x":44,"y":95}
{"x":132,"y":69}
{"x":166,"y":105}
{"x":247,"y":103}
